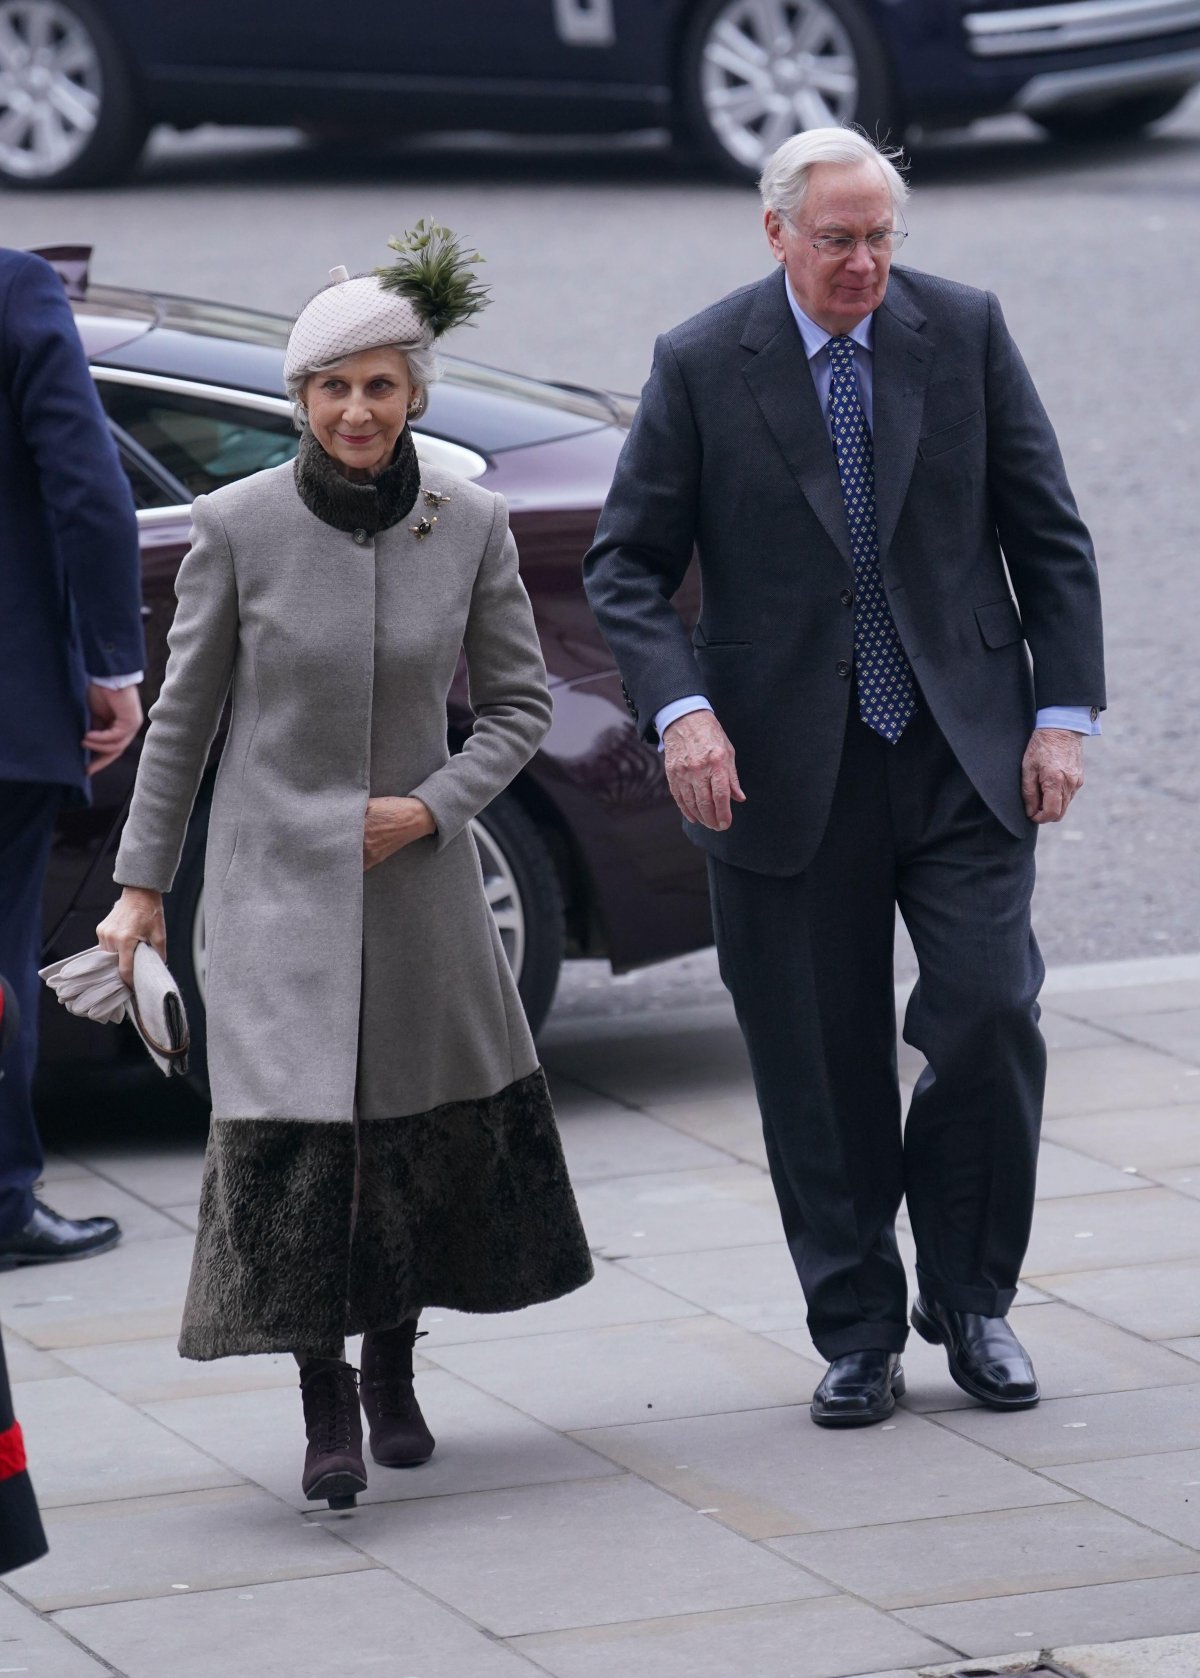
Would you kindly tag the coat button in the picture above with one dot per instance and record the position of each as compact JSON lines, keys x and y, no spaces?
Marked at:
{"x":360,"y":537}
{"x":847,"y":597}
{"x":842,"y":668}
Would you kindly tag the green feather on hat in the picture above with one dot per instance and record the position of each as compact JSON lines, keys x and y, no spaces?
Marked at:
{"x":434,"y":273}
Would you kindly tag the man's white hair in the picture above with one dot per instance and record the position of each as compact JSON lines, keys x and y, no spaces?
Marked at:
{"x":784,"y":181}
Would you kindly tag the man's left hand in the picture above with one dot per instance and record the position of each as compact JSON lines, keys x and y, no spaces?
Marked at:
{"x":116,"y":716}
{"x":1051,"y":773}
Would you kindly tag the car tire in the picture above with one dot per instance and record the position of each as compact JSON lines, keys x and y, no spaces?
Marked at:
{"x":520,"y":880}
{"x":523,"y":889}
{"x":842,"y":77}
{"x":1118,"y":121}
{"x":77,"y":78}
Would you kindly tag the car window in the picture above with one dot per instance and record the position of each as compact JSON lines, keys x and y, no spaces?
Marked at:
{"x":202,"y":442}
{"x":147,"y":492}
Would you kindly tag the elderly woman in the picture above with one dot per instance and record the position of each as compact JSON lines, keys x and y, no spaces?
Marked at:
{"x":382,"y":1135}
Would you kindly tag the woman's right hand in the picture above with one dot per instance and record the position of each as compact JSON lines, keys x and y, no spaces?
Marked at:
{"x":135,"y":918}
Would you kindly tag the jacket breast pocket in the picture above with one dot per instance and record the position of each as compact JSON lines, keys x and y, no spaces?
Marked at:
{"x":949,"y":437}
{"x":999,"y":623}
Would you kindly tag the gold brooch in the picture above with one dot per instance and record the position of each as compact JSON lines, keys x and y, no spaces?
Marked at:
{"x":433,"y":499}
{"x":422,"y":528}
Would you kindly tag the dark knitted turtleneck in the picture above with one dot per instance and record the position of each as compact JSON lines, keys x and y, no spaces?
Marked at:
{"x":371,"y":506}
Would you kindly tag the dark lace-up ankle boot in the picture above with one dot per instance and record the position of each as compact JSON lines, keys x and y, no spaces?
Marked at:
{"x":333,"y":1466}
{"x":399,"y":1437}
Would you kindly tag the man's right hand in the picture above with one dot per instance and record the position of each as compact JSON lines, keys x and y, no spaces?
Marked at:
{"x":116,"y":716}
{"x":701,"y":772}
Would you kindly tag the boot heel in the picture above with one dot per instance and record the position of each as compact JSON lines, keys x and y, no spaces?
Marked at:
{"x":899,"y":1384}
{"x":926,"y":1327}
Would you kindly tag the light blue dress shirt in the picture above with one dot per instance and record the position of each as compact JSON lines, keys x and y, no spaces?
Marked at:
{"x":816,"y":340}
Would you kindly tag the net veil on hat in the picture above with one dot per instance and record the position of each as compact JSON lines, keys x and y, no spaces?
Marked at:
{"x":410,"y":302}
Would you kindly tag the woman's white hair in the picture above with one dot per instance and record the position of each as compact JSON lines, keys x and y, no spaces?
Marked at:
{"x":784,"y":182}
{"x":424,"y":369}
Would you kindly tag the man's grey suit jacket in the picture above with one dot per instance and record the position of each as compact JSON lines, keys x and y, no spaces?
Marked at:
{"x":730,"y":456}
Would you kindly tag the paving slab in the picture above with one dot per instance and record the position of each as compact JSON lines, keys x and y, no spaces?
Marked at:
{"x":141,"y":1371}
{"x":603,"y":1377}
{"x":304,"y":1628}
{"x":1086,"y":1429}
{"x":1189,"y":1348}
{"x":119,"y":1295}
{"x":1105,"y":1080}
{"x":1102,"y":1231}
{"x":1175,"y":1030}
{"x":58,"y":1167}
{"x":1146,"y":1657}
{"x":604,"y":1139}
{"x":545,"y":1558}
{"x":1159,"y":1301}
{"x":1049,"y":1619}
{"x":85,"y":1446}
{"x":1183,"y":1179}
{"x":1063,"y":1031}
{"x":1005,"y":1552}
{"x":1072,"y":1352}
{"x":679,"y":1211}
{"x":157,"y":1546}
{"x":1063,"y":1171}
{"x":34,"y":1646}
{"x":1162,"y":1490}
{"x":164,"y":1174}
{"x":614,"y":1295}
{"x":730,"y":1122}
{"x":1116,"y":1001}
{"x":697,"y":1053}
{"x":1143,"y":1138}
{"x":27,"y":1363}
{"x":767,"y":1473}
{"x":89,"y":1197}
{"x":482,"y":1443}
{"x":823,"y":1639}
{"x":754,"y":1286}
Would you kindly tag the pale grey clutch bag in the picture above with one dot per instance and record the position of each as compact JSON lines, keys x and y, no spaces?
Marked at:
{"x":90,"y":985}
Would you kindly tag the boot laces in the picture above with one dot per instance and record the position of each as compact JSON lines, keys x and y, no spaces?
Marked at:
{"x":335,"y":1392}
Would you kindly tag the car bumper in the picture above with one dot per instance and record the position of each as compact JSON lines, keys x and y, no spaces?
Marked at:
{"x":1098,"y":84}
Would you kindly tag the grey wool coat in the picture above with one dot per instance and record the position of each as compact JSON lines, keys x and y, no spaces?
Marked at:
{"x":382,"y":1137}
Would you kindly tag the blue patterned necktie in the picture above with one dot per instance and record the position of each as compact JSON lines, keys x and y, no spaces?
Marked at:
{"x":887,"y":690}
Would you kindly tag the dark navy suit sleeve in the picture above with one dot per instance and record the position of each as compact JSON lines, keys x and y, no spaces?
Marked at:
{"x":1045,"y":542}
{"x":644,"y":545}
{"x":82,"y":484}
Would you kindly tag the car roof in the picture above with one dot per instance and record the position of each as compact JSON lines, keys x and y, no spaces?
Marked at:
{"x":222,"y":344}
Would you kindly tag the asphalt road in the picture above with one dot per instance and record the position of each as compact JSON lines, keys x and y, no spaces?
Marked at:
{"x":592,"y":251}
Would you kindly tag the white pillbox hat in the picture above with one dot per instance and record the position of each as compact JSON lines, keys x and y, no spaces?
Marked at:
{"x":348,"y":316}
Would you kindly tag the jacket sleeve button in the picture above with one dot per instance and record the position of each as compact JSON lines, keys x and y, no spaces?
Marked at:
{"x":842,"y":667}
{"x":847,"y":597}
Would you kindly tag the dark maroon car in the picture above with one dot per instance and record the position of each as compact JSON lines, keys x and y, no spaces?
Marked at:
{"x":584,"y":854}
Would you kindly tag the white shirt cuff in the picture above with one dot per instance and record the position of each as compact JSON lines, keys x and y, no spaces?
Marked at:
{"x":116,"y":682}
{"x":676,"y":709}
{"x":1078,"y":718}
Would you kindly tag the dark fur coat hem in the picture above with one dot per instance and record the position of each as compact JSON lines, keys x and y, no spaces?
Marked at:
{"x":468,"y":1207}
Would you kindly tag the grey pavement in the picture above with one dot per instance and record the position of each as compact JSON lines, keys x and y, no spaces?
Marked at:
{"x":627,"y":1481}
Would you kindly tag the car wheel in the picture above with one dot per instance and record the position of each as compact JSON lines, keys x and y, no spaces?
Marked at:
{"x":69,"y":112}
{"x":519,"y":880}
{"x":1111,"y":122}
{"x":755,"y":72}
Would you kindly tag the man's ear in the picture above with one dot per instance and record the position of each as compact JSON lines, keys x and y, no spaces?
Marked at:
{"x":772,"y":222}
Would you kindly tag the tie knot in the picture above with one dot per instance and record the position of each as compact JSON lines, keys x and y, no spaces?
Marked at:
{"x":841,"y":350}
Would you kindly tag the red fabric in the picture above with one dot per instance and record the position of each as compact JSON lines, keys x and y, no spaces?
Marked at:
{"x":12,"y":1452}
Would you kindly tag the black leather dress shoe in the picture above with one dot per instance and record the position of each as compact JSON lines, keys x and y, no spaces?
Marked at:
{"x":49,"y":1239}
{"x":859,"y":1388}
{"x":986,"y":1359}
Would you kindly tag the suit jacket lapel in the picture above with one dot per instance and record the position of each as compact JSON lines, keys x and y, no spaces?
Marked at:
{"x":781,"y":382}
{"x":902,"y":363}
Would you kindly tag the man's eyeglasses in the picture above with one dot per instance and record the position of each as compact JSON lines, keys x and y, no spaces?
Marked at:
{"x":836,"y":247}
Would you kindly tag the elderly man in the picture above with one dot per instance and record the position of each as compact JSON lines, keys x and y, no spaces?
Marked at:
{"x":861,"y":460}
